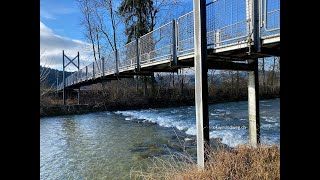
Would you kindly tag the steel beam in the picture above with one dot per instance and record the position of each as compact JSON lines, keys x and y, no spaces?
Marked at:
{"x":78,"y":77}
{"x":64,"y":80}
{"x":103,"y":63}
{"x":137,"y":54}
{"x":256,"y":25}
{"x":117,"y":61}
{"x":201,"y":80}
{"x":222,"y":65}
{"x":174,"y":43}
{"x":93,"y":70}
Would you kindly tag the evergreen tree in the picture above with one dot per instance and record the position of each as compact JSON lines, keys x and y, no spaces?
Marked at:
{"x":139,"y":17}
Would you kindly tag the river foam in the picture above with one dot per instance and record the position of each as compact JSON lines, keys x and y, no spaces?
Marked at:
{"x":229,"y":124}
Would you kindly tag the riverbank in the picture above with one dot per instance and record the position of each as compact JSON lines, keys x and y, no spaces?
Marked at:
{"x":145,"y":103}
{"x":241,"y":162}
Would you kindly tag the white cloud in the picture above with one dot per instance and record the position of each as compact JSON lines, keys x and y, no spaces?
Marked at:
{"x":47,"y":15}
{"x":53,"y":45}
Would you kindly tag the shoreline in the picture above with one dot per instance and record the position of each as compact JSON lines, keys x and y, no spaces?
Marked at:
{"x":60,"y":110}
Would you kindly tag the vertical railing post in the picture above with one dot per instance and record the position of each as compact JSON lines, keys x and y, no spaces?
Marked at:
{"x":86,"y":73}
{"x":256,"y":25}
{"x":117,"y":62}
{"x":249,"y":20}
{"x":217,"y":38}
{"x":174,"y":43}
{"x":79,"y":96}
{"x":93,"y":70}
{"x":103,"y":63}
{"x":64,"y":80}
{"x":201,"y":80}
{"x":78,"y":79}
{"x":78,"y":61}
{"x":138,"y":55}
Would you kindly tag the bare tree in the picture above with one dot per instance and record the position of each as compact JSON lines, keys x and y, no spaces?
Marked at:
{"x":94,"y":14}
{"x":101,"y":7}
{"x":164,"y":6}
{"x":274,"y":68}
{"x":44,"y":72}
{"x":87,"y":10}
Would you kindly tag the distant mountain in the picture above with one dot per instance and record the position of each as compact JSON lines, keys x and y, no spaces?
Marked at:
{"x":53,"y":74}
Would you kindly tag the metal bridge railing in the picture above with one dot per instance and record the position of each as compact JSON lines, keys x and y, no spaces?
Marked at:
{"x":127,"y":56}
{"x":98,"y":68}
{"x":90,"y":71}
{"x":270,"y":18}
{"x":228,"y":23}
{"x":157,"y":44}
{"x":110,"y":63}
{"x":185,"y":34}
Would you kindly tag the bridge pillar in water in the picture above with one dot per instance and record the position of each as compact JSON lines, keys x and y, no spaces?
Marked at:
{"x":253,"y":105}
{"x":201,"y":80}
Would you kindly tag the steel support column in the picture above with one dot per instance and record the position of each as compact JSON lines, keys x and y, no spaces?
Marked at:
{"x":117,"y":62}
{"x":201,"y":80}
{"x":137,"y":54}
{"x":253,"y":105}
{"x":64,"y":80}
{"x":78,"y":77}
{"x":256,"y":25}
{"x":174,"y":43}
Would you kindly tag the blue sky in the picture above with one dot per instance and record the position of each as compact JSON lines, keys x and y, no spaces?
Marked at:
{"x":62,"y":16}
{"x":60,"y":29}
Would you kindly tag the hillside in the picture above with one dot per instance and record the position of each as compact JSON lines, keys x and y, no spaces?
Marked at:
{"x":53,"y":74}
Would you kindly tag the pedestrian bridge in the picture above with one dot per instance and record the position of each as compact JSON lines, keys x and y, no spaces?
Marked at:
{"x":232,"y":35}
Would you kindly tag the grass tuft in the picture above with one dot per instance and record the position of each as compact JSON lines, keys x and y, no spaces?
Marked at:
{"x":241,"y":162}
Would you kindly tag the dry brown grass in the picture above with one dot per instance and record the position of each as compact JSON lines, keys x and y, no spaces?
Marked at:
{"x":242,"y":162}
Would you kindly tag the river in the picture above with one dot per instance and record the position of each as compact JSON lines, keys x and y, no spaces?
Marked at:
{"x":107,"y":145}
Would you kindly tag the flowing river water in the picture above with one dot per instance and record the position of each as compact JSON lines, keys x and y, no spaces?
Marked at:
{"x":107,"y":145}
